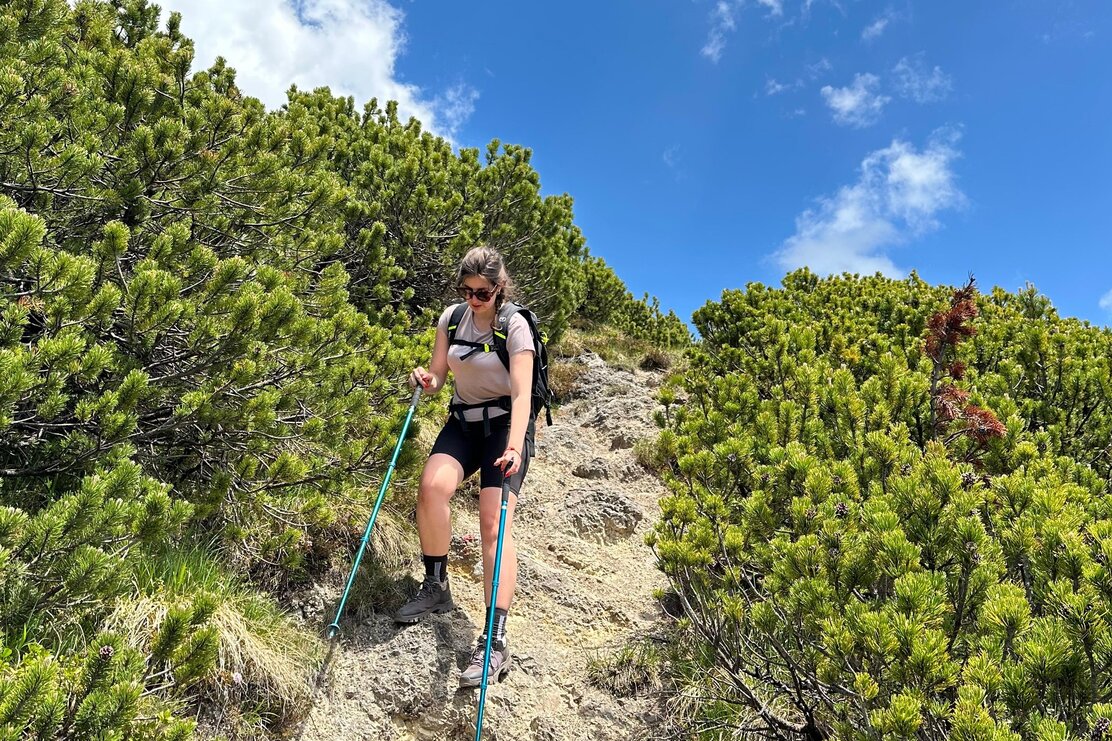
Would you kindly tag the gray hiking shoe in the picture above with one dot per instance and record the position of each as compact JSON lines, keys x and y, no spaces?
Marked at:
{"x":500,"y":661}
{"x":430,"y":598}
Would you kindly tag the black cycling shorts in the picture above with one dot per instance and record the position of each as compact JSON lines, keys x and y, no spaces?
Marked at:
{"x":477,"y":451}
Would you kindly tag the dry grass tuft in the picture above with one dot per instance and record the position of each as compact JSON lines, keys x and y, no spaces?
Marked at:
{"x":263,"y":654}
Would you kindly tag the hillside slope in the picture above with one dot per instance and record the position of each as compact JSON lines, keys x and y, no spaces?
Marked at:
{"x":585,"y":586}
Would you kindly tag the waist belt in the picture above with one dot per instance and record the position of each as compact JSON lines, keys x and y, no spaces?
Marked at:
{"x":502,"y":402}
{"x":458,"y":408}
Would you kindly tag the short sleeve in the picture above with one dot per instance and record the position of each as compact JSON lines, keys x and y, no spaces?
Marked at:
{"x":445,"y":318}
{"x":519,"y":338}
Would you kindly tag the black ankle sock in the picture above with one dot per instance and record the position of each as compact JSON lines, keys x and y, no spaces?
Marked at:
{"x":436,"y":567}
{"x":500,"y":616}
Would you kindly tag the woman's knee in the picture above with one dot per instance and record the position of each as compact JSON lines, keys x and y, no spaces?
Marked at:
{"x":488,"y":524}
{"x":488,"y":531}
{"x":438,"y":481}
{"x":432,"y":493}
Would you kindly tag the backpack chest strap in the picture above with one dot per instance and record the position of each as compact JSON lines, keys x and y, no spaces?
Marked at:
{"x":475,"y":347}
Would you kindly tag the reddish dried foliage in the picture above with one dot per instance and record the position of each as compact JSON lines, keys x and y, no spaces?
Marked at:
{"x":944,"y":331}
{"x":950,"y":403}
{"x":947,"y":328}
{"x":981,"y":424}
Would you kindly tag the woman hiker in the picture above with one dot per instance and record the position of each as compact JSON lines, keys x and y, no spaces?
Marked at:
{"x":490,"y":430}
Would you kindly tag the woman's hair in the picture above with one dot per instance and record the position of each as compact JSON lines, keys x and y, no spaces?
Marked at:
{"x":487,"y":262}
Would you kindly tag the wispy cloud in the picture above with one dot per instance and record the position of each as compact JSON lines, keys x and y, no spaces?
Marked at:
{"x":351,"y":46}
{"x":882,"y":22}
{"x":875,"y":29}
{"x":671,"y":156}
{"x":1106,"y":301}
{"x":819,"y":68}
{"x":914,"y":80}
{"x":858,"y":105}
{"x":775,"y":7}
{"x":456,"y":105}
{"x":722,"y":23}
{"x":775,"y":87}
{"x":899,"y":195}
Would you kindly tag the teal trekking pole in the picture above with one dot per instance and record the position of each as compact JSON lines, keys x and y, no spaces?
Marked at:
{"x":334,"y":628}
{"x":493,"y":603}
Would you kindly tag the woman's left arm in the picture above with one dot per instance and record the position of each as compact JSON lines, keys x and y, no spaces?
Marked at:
{"x":521,"y":407}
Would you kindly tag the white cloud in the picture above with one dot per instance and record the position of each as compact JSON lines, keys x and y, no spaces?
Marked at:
{"x":1106,"y":301}
{"x":456,"y":105}
{"x":913,"y":80}
{"x":875,"y":29}
{"x":899,"y":195}
{"x":349,"y":45}
{"x":819,"y":68}
{"x":775,"y":7}
{"x":671,"y":156}
{"x":722,"y":22}
{"x":775,"y":87}
{"x":859,"y":104}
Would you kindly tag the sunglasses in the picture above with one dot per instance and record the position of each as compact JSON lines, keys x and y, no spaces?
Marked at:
{"x":483,"y":294}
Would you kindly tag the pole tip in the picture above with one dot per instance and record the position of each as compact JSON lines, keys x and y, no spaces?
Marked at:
{"x":333,"y":629}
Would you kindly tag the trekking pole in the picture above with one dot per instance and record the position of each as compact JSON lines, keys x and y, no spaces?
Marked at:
{"x":334,"y":628}
{"x":493,"y":603}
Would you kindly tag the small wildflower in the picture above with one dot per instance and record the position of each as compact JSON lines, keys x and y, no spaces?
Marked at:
{"x":237,"y":678}
{"x":841,"y":510}
{"x":106,"y":652}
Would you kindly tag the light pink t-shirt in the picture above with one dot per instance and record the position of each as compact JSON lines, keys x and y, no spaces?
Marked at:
{"x":482,"y":377}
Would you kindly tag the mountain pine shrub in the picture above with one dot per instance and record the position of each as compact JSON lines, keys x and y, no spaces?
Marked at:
{"x":889,"y":515}
{"x":207,"y":312}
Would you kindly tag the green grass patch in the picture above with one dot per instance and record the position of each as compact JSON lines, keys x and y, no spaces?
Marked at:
{"x":615,"y":346}
{"x":264,"y":659}
{"x":635,"y":668}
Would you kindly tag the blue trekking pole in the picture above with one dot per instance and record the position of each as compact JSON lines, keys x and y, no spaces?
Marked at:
{"x":493,"y":603}
{"x":334,"y":628}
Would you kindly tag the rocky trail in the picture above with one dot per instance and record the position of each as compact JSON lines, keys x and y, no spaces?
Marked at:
{"x":585,"y":586}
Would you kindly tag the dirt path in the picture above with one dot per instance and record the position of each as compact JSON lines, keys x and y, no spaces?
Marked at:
{"x":585,"y":585}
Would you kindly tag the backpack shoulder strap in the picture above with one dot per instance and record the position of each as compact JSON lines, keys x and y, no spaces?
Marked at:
{"x":454,"y":320}
{"x":505,"y":314}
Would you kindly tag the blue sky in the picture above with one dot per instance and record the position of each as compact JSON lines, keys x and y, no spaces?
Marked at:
{"x":710,"y":143}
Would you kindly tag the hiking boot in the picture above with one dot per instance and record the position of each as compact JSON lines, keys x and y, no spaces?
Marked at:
{"x":430,"y":598}
{"x":472,"y":676}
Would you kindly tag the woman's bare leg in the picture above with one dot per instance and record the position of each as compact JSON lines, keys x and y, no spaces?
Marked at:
{"x":490,"y":509}
{"x":439,"y":480}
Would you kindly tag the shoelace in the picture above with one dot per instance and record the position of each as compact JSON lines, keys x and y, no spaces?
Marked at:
{"x":429,"y":587}
{"x":480,"y":651}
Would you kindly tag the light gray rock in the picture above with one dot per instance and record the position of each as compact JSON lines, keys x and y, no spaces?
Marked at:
{"x":594,"y":469}
{"x":420,"y":658}
{"x":601,"y":515}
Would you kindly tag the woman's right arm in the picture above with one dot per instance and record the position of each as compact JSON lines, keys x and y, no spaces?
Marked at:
{"x":433,"y":379}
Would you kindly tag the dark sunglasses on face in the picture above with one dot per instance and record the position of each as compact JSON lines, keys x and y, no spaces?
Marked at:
{"x":483,"y":294}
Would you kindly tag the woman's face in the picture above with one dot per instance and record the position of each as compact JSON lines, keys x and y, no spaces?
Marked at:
{"x":478,"y":291}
